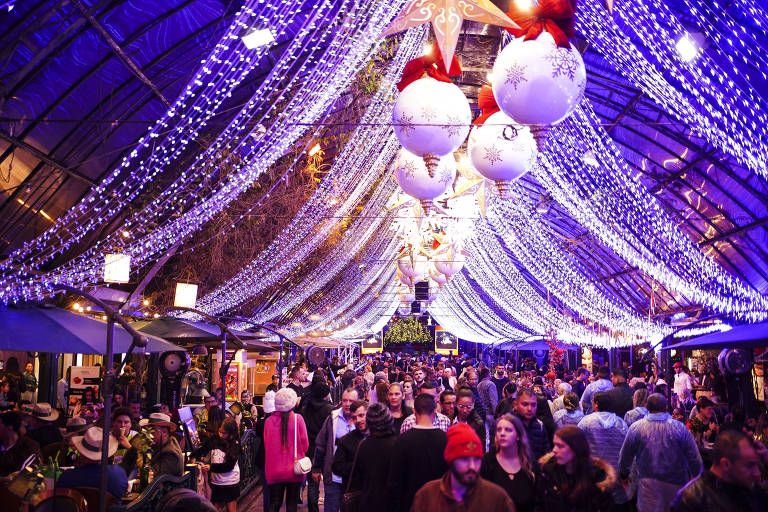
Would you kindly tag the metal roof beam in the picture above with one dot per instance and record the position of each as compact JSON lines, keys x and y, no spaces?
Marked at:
{"x":723,"y":236}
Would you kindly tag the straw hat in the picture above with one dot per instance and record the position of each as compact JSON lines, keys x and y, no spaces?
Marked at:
{"x":89,"y":444}
{"x":158,"y":419}
{"x":75,"y":426}
{"x":42,"y":411}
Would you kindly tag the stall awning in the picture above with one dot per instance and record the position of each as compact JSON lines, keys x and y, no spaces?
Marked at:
{"x":744,"y":336}
{"x":531,"y":345}
{"x":52,"y":329}
{"x":188,"y":332}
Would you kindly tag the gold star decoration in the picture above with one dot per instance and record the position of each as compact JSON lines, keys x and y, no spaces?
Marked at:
{"x":447,"y":17}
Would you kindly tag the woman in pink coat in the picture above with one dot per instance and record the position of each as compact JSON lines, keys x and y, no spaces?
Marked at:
{"x":281,"y":451}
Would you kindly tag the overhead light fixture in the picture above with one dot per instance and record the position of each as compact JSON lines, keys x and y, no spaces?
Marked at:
{"x":117,"y":268}
{"x":524,"y":5}
{"x":199,"y":350}
{"x":257,"y":38}
{"x":315,"y":149}
{"x":186,"y":295}
{"x":689,"y":46}
{"x":679,"y":315}
{"x":146,"y":302}
{"x":427,"y":49}
{"x":590,"y":158}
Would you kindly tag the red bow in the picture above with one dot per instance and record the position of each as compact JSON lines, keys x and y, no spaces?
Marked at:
{"x":554,"y":16}
{"x":430,"y":64}
{"x":487,"y":103}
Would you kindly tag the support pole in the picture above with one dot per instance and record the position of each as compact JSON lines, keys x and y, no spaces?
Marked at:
{"x":109,"y":376}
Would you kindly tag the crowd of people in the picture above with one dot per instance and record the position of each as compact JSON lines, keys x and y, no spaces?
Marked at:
{"x":417,"y":433}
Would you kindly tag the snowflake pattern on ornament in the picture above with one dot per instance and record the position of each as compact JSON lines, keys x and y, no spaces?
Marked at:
{"x":492,"y":154}
{"x":428,"y":113}
{"x":406,"y":124}
{"x":409,"y":169}
{"x":454,"y":127}
{"x":516,"y":75}
{"x":564,"y":63}
{"x":446,"y":177}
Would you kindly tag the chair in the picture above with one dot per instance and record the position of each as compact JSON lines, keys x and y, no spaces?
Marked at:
{"x":60,"y":500}
{"x":91,"y":495}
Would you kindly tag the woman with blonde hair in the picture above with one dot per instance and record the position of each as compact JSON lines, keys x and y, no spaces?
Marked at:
{"x":512,"y":465}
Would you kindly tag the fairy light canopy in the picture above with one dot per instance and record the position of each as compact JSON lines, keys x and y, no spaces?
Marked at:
{"x":149,"y":129}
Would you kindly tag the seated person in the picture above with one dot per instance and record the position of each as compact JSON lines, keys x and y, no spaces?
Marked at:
{"x":86,"y":472}
{"x":42,"y":426}
{"x":14,"y":448}
{"x":167,"y":458}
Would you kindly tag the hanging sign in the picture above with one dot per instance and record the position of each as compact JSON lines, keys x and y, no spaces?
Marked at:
{"x":445,"y":343}
{"x":373,"y":344}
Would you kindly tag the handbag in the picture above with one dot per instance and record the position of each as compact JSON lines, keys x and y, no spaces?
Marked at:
{"x":301,"y":466}
{"x":350,"y":501}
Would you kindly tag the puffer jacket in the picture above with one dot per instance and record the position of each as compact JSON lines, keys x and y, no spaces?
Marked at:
{"x":707,"y":492}
{"x":663,"y":448}
{"x":598,"y":498}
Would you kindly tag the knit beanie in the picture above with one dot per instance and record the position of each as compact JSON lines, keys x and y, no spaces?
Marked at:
{"x":285,"y":400}
{"x":319,"y":390}
{"x":378,"y":418}
{"x":462,"y":442}
{"x":269,"y":402}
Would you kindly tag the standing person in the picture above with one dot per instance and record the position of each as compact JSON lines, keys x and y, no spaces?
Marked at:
{"x":571,"y":413}
{"x":500,"y":379}
{"x":489,"y":396}
{"x":62,"y":390}
{"x":315,"y":411}
{"x":14,"y":379}
{"x":606,"y":433}
{"x":408,"y":395}
{"x":285,"y":440}
{"x":465,"y":413}
{"x":201,"y":414}
{"x":602,"y":383}
{"x":374,"y":461}
{"x":664,"y":453}
{"x":298,"y":376}
{"x":473,"y":380}
{"x":621,"y":394}
{"x":579,"y":384}
{"x":167,"y":458}
{"x":416,"y":456}
{"x":440,"y":420}
{"x":511,"y":465}
{"x":336,"y":426}
{"x":682,"y":381}
{"x":462,"y":487}
{"x":732,"y":483}
{"x":572,"y":479}
{"x":272,"y":386}
{"x":447,"y":404}
{"x":224,"y":467}
{"x":525,"y":409}
{"x":557,"y":404}
{"x":703,"y":425}
{"x":42,"y":427}
{"x":347,"y":445}
{"x":639,"y":401}
{"x":397,"y":409}
{"x":30,"y":383}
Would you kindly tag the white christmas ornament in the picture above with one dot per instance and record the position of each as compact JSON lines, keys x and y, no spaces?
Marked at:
{"x":434,"y":289}
{"x":449,"y":262}
{"x":502,"y":150}
{"x":413,"y":265}
{"x":437,"y":276}
{"x":538,"y":83}
{"x":406,"y":280}
{"x":406,"y":295}
{"x":412,"y":176}
{"x":431,"y":119}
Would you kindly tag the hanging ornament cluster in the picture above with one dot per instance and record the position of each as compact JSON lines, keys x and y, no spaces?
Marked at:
{"x":556,"y":353}
{"x":539,"y":78}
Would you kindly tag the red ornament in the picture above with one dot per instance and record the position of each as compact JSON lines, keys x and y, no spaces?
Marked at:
{"x":430,"y":64}
{"x":553,"y":16}
{"x":487,"y":103}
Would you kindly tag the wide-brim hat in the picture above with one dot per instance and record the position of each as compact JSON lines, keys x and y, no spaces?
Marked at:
{"x":75,"y":427}
{"x":89,"y":444}
{"x":42,"y":411}
{"x":158,"y":419}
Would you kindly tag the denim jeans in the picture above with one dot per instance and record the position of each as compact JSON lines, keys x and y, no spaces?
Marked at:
{"x":313,"y":494}
{"x":333,"y":495}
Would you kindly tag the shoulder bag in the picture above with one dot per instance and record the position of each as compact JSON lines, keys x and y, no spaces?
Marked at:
{"x":350,"y":501}
{"x":301,"y":466}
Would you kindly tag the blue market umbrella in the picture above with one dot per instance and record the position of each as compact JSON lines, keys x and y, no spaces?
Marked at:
{"x":184,"y":331}
{"x":52,"y":329}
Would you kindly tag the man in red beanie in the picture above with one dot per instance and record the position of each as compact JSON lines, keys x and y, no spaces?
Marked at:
{"x":461,"y":488}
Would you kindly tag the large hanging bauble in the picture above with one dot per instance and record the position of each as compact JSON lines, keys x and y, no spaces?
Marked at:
{"x":431,"y":119}
{"x":406,"y":280}
{"x":437,"y":276}
{"x":434,"y":289}
{"x":407,"y":295}
{"x":502,"y":150}
{"x":412,"y":176}
{"x":413,"y":266}
{"x":536,"y":82}
{"x":449,"y":262}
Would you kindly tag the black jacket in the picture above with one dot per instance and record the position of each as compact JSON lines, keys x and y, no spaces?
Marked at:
{"x":315,"y":413}
{"x":621,"y":399}
{"x":370,"y":473}
{"x":345,"y":455}
{"x":538,"y":436}
{"x":597,"y":498}
{"x":708,"y":492}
